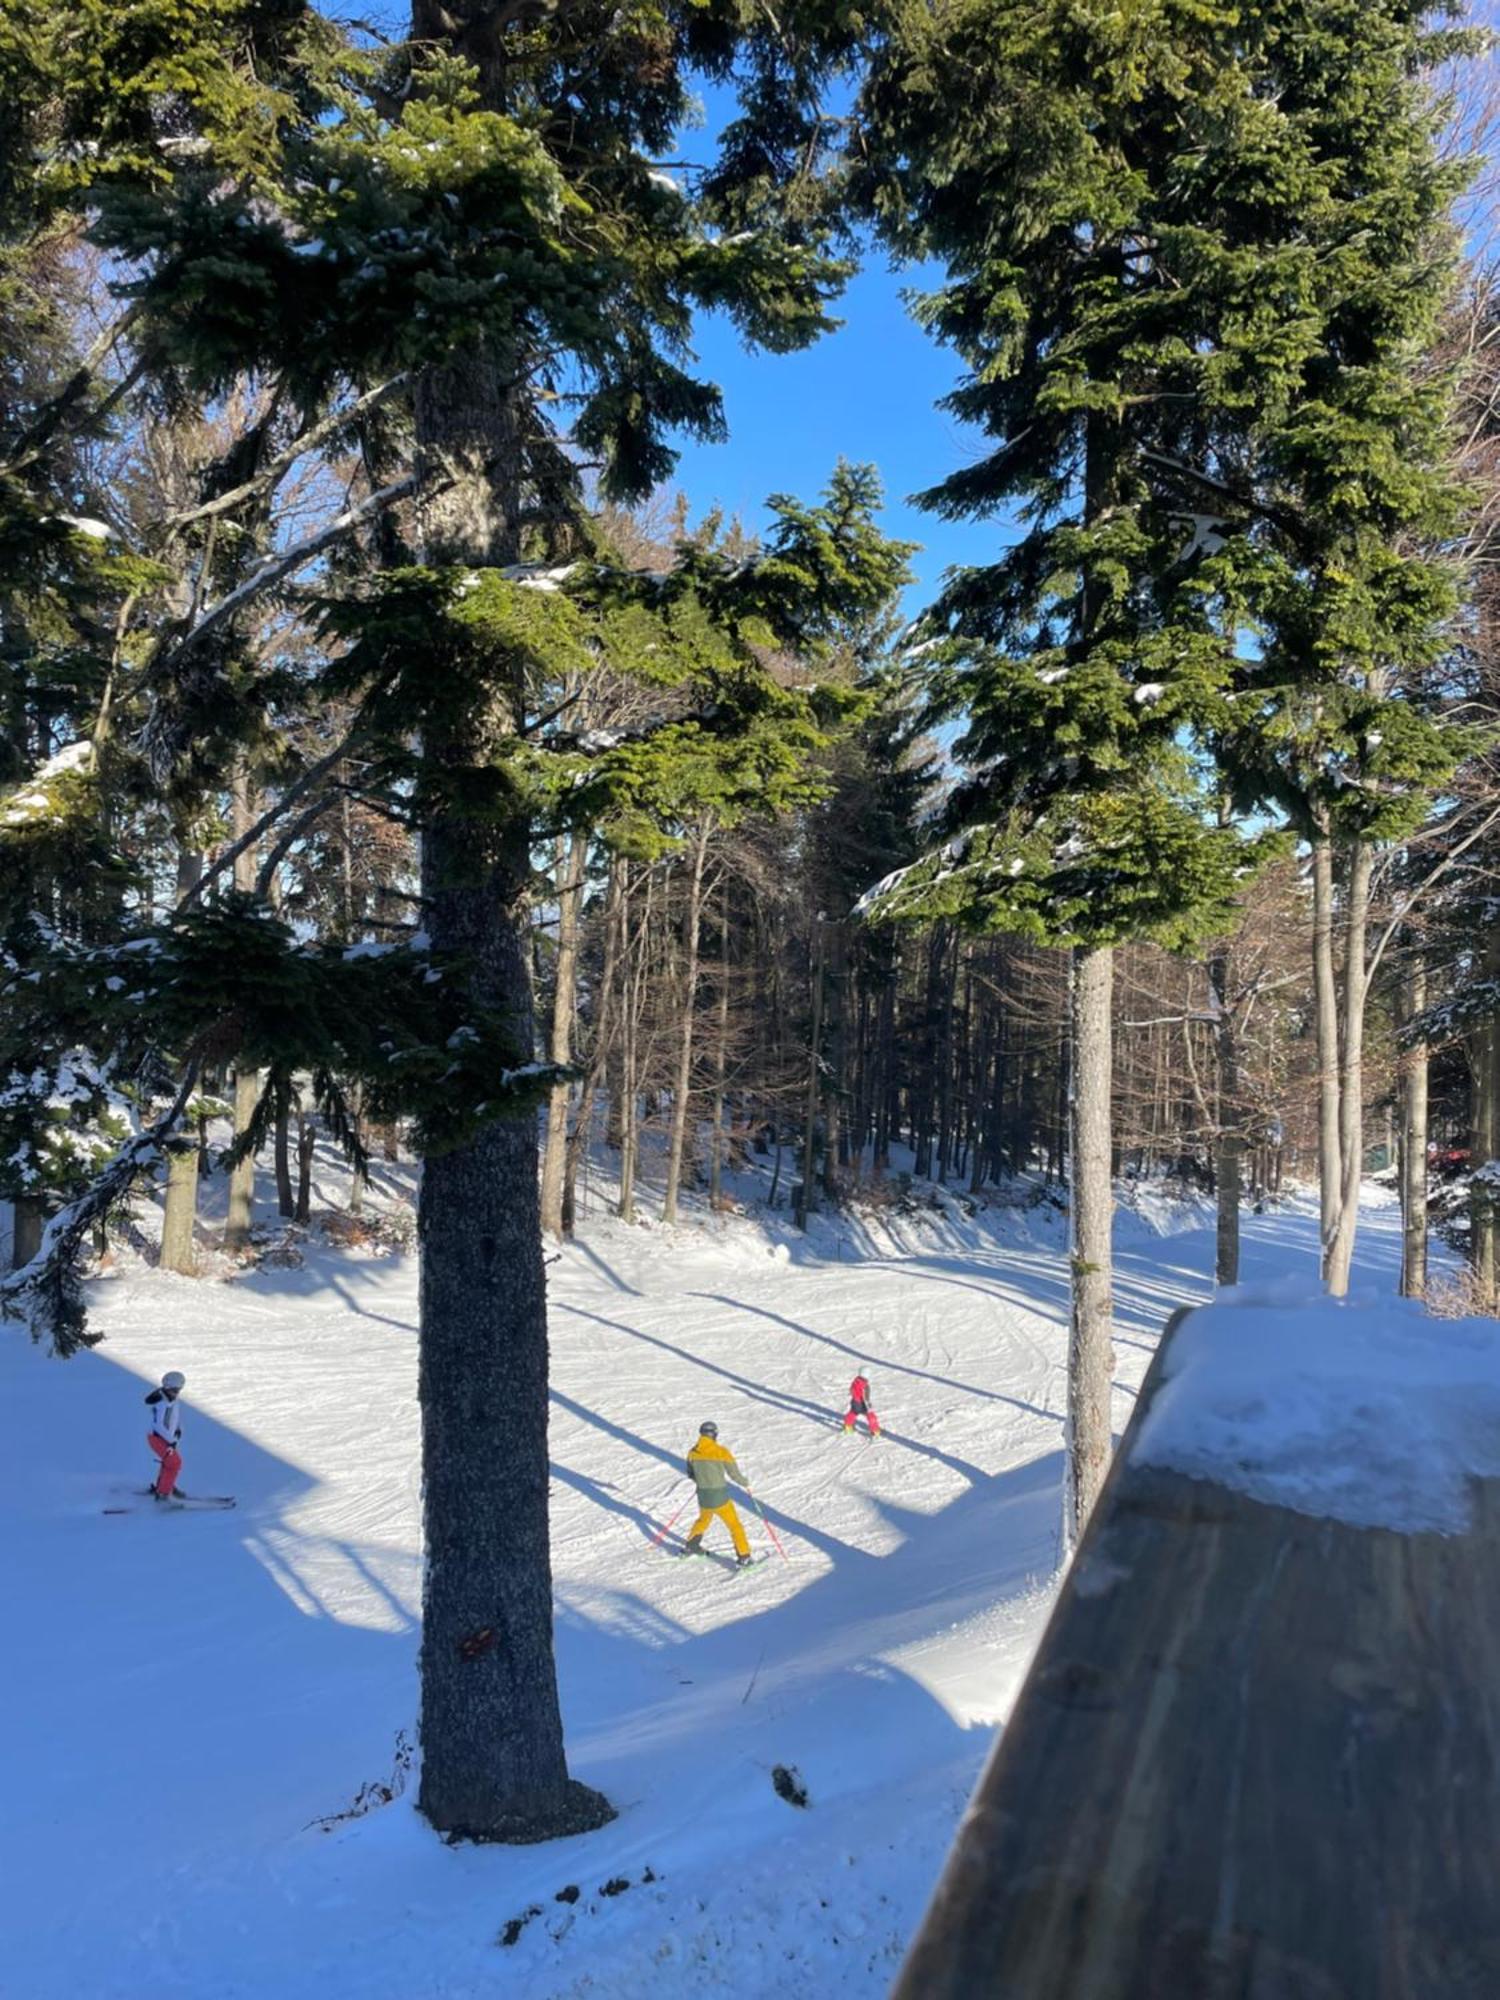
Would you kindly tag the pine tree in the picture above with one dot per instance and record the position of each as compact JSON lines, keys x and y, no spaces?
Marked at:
{"x":1054,"y":163}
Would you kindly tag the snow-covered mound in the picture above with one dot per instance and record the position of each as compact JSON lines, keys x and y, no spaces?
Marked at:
{"x":1363,"y":1410}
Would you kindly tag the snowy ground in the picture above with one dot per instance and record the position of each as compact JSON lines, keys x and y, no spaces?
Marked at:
{"x":187,"y":1696}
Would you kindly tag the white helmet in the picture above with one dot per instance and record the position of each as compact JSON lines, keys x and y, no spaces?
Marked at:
{"x":173,"y":1379}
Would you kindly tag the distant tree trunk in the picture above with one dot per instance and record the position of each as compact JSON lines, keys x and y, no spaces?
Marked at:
{"x":1484,"y":1212}
{"x":1230,"y":1142}
{"x":835,"y":1137}
{"x":605,"y":1009}
{"x":493,"y":1762}
{"x":721,"y":1060}
{"x":180,"y":1208}
{"x":1352,"y":1068}
{"x":1414,"y":1144}
{"x":570,"y":865}
{"x":27,"y":1220}
{"x":632,"y":964}
{"x":1325,"y":991}
{"x":246,"y":1082}
{"x":286,"y":1201}
{"x":306,"y":1135}
{"x":682,"y":1083}
{"x":810,"y":1122}
{"x":1090,"y":1346}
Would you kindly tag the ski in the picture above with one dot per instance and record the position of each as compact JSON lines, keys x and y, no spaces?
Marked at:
{"x":180,"y":1503}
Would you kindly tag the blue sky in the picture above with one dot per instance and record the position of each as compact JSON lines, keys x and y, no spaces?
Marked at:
{"x":864,"y":393}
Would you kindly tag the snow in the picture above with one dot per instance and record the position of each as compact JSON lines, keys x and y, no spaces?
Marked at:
{"x":85,"y":524}
{"x":1366,"y":1411}
{"x":24,"y":806}
{"x":202,"y":1694}
{"x":1148,"y":693}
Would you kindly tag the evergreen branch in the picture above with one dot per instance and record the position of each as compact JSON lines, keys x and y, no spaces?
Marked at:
{"x":48,"y":1292}
{"x":306,"y":818}
{"x":275,"y":468}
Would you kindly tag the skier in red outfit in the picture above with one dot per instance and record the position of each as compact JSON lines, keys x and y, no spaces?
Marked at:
{"x":165,"y":1434}
{"x":860,"y":1406}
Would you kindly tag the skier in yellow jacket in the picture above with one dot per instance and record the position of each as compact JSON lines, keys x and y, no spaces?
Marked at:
{"x":710,"y":1466}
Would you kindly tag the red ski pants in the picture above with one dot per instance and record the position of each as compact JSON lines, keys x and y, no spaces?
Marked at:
{"x":863,"y":1410}
{"x":171,"y":1463}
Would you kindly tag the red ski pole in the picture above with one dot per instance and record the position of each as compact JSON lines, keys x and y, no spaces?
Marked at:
{"x":661,"y":1533}
{"x":765,"y":1523}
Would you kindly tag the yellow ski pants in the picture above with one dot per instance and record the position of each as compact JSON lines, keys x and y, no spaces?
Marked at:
{"x":731,"y":1520}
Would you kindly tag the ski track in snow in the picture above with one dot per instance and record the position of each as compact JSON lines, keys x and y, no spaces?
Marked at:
{"x":189,"y":1695}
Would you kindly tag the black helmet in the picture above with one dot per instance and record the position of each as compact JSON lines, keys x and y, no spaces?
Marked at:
{"x":708,"y":1430}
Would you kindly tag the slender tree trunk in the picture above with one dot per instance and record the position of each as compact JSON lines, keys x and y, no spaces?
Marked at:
{"x":632,"y":979}
{"x":570,"y":864}
{"x":683,"y":1082}
{"x":180,"y":1209}
{"x":1351,"y":1068}
{"x":27,"y":1220}
{"x":306,"y":1133}
{"x":1414,"y":1144}
{"x":1090,"y":1344}
{"x":286,"y":1200}
{"x":1484,"y":1213}
{"x":1230,"y":1141}
{"x":605,"y":1008}
{"x":1325,"y":992}
{"x":493,"y":1764}
{"x":810,"y":1123}
{"x":721,"y":1060}
{"x":246,"y":1082}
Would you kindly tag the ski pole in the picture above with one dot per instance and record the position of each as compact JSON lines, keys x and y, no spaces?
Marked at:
{"x":765,"y":1523}
{"x":661,"y":1533}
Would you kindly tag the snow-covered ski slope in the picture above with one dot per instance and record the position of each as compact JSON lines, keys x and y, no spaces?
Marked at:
{"x":186,"y":1697}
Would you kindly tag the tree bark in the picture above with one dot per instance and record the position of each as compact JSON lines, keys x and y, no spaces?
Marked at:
{"x":1090,"y":1343}
{"x":1325,"y":992}
{"x":180,"y":1209}
{"x":1351,"y":1068}
{"x":682,"y":1083}
{"x":1230,"y":1140}
{"x":1414,"y":1144}
{"x":493,"y":1765}
{"x":570,"y":864}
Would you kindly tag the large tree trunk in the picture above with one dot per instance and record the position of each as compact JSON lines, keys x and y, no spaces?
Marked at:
{"x":570,"y":863}
{"x":493,"y":1766}
{"x":1326,"y":1004}
{"x":1230,"y":1141}
{"x":246,"y":1082}
{"x":1414,"y":1144}
{"x":1352,"y":1069}
{"x":682,"y":1083}
{"x":180,"y":1209}
{"x":1091,"y":1209}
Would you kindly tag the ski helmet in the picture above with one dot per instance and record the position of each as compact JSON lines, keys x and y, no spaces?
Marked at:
{"x":173,"y":1379}
{"x":708,"y":1430}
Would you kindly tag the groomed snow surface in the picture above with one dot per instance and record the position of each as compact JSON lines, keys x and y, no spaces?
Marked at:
{"x":188,"y":1696}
